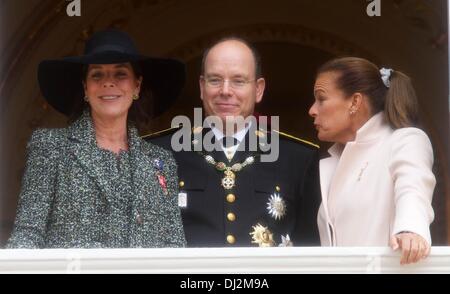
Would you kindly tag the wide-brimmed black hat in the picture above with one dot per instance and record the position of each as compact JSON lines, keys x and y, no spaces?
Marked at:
{"x":61,"y":80}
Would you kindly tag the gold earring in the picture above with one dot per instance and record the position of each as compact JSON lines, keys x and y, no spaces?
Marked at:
{"x":135,"y":97}
{"x":352,"y":112}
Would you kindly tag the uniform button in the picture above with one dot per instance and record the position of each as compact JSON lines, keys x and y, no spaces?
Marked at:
{"x":231,"y":217}
{"x":181,"y":184}
{"x":231,"y":239}
{"x":231,"y":198}
{"x":139,"y":219}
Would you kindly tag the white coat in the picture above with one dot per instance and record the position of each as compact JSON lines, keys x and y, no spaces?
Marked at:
{"x":377,"y":186}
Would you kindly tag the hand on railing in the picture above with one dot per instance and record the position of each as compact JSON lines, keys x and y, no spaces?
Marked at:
{"x":414,"y":247}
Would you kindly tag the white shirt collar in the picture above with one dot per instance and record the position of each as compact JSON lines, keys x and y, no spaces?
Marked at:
{"x":240,"y":135}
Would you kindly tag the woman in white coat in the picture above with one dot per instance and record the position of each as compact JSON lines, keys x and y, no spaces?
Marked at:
{"x":377,"y":185}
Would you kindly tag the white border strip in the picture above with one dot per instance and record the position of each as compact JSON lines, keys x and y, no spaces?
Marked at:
{"x":220,"y":260}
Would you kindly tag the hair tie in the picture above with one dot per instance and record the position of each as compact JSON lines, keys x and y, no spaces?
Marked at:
{"x":386,"y":76}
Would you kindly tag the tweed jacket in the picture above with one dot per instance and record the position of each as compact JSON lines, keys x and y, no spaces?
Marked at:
{"x":76,"y":195}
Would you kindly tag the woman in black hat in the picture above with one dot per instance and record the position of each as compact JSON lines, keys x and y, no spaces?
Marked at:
{"x":96,"y":183}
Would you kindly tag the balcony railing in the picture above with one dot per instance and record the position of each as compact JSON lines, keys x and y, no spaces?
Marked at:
{"x":220,"y":260}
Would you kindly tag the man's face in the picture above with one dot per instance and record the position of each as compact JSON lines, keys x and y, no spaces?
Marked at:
{"x":229,"y":86}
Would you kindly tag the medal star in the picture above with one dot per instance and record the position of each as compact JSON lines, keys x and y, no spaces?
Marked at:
{"x":286,"y":241}
{"x":262,"y":236}
{"x":276,"y":206}
{"x":228,"y":182}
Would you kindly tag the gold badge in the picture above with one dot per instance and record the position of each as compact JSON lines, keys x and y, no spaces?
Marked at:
{"x":262,"y":236}
{"x":197,"y":130}
{"x":228,"y":181}
{"x":260,"y":134}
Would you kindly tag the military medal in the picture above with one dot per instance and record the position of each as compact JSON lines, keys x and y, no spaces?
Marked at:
{"x":286,"y":241}
{"x":159,"y":165}
{"x":182,"y":199}
{"x":276,"y":206}
{"x":229,"y":180}
{"x":162,"y":183}
{"x":262,"y":236}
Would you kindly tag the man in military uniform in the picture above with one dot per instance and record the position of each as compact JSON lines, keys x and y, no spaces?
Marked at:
{"x":230,"y":197}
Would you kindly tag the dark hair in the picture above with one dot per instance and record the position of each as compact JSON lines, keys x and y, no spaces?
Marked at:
{"x":255,"y":53}
{"x":358,"y":75}
{"x":140,"y":112}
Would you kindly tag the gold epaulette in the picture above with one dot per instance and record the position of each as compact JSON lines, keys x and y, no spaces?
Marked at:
{"x":297,"y":139}
{"x":160,"y":133}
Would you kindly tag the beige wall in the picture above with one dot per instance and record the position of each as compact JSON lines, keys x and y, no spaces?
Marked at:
{"x":299,"y":34}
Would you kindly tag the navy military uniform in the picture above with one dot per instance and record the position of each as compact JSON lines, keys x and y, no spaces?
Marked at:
{"x":270,"y":204}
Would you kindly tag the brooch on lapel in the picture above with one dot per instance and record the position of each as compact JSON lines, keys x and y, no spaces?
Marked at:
{"x":262,"y":236}
{"x":362,"y":171}
{"x":158,"y":164}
